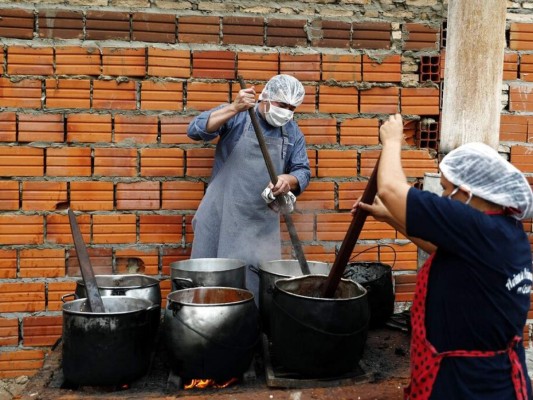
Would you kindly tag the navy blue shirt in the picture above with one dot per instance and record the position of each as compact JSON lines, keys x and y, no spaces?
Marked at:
{"x":294,"y":153}
{"x":478,"y":292}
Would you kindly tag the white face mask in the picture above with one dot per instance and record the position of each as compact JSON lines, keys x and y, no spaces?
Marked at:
{"x":277,"y":116}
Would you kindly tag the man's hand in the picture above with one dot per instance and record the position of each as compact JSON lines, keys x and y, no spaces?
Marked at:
{"x":245,"y":99}
{"x":392,"y":130}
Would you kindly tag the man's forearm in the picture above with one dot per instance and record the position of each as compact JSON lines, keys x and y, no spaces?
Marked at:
{"x":219,"y":117}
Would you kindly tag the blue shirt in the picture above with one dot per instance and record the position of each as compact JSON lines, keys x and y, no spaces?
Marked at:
{"x":294,"y":152}
{"x":478,"y":293}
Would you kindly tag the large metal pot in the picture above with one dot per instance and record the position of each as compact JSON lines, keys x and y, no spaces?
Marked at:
{"x":378,"y":280}
{"x":223,"y":272}
{"x":318,"y":337}
{"x":211,"y":332}
{"x":271,"y":271}
{"x":133,"y":285}
{"x":110,"y":348}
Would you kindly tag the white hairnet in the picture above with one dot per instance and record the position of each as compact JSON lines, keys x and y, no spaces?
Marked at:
{"x":285,"y":89}
{"x":479,"y":168}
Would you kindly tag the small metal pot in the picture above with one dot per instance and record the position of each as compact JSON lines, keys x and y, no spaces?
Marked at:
{"x":133,"y":285}
{"x":211,"y":332}
{"x":222,"y":272}
{"x":271,"y":271}
{"x":110,"y":348}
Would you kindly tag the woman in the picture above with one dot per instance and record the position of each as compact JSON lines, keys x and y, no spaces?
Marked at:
{"x":473,"y":294}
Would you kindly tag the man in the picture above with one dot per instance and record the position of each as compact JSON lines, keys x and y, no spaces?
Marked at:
{"x":233,"y":219}
{"x":473,"y":294}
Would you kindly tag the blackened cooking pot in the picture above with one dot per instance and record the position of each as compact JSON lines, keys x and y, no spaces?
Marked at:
{"x":317,"y":337}
{"x":110,"y":348}
{"x":132,"y":285}
{"x":271,"y":271}
{"x":223,"y":272}
{"x":211,"y":332}
{"x":378,"y":280}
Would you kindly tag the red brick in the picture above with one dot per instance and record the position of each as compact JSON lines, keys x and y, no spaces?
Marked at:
{"x":319,"y":131}
{"x":42,"y":263}
{"x":359,"y":131}
{"x":8,"y":127}
{"x":21,"y":161}
{"x":24,"y":60}
{"x":9,"y":195}
{"x":133,"y":261}
{"x":9,"y":332}
{"x":521,"y":36}
{"x":174,"y":129}
{"x":21,"y":297}
{"x":242,"y":30}
{"x":20,"y":362}
{"x":136,"y":128}
{"x":522,"y":158}
{"x":169,"y":63}
{"x":119,"y":228}
{"x":173,"y":254}
{"x":138,"y":196}
{"x":165,"y":229}
{"x":91,"y":196}
{"x":8,"y":265}
{"x":420,"y":101}
{"x":349,"y":192}
{"x":75,"y":60}
{"x":24,"y":94}
{"x":154,"y":27}
{"x":114,"y":95}
{"x":305,"y":67}
{"x":526,"y":68}
{"x":107,"y":25}
{"x":68,"y":93}
{"x":333,"y":163}
{"x":380,"y":100}
{"x":303,"y":224}
{"x":414,"y":162}
{"x":162,"y":162}
{"x":162,"y":96}
{"x":203,"y":96}
{"x":68,"y":161}
{"x":317,"y":196}
{"x":333,"y":227}
{"x":58,"y":228}
{"x":333,"y":99}
{"x":510,"y":66}
{"x":515,"y":128}
{"x":382,"y":69}
{"x":182,"y":195}
{"x":123,"y":62}
{"x":286,"y":32}
{"x":88,"y":128}
{"x":43,"y":195}
{"x":420,"y":37}
{"x":404,"y":287}
{"x":313,"y":157}
{"x":198,"y":29}
{"x":55,"y":291}
{"x":60,"y":24}
{"x":371,"y":35}
{"x":430,"y":68}
{"x":520,"y":97}
{"x":213,"y":64}
{"x":320,"y":253}
{"x":42,"y":330}
{"x":41,"y":128}
{"x":341,"y":67}
{"x":115,"y":162}
{"x":330,"y":34}
{"x":16,"y":23}
{"x":101,"y":261}
{"x":189,"y":232}
{"x":257,"y":66}
{"x":200,"y":161}
{"x":309,"y":103}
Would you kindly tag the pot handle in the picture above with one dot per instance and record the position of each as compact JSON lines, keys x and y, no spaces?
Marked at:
{"x":254,"y":269}
{"x":118,"y":292}
{"x":182,"y":283}
{"x":66,"y":296}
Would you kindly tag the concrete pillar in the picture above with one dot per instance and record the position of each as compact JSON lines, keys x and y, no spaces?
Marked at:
{"x":473,"y":73}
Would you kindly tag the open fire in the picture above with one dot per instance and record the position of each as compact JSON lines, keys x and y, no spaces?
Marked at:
{"x":209,"y":383}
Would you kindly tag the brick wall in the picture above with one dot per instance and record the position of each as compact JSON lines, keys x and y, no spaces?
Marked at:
{"x":95,"y":98}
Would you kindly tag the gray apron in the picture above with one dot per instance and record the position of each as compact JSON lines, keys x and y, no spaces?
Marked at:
{"x":233,"y":220}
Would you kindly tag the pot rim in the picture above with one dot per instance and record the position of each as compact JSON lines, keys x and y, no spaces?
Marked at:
{"x":322,"y":299}
{"x":188,"y":265}
{"x":262,"y":266}
{"x":148,"y":305}
{"x":203,"y":288}
{"x":154,"y":282}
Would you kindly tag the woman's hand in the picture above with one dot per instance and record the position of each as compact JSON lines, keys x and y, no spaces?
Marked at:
{"x":392,"y":130}
{"x":377,"y":209}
